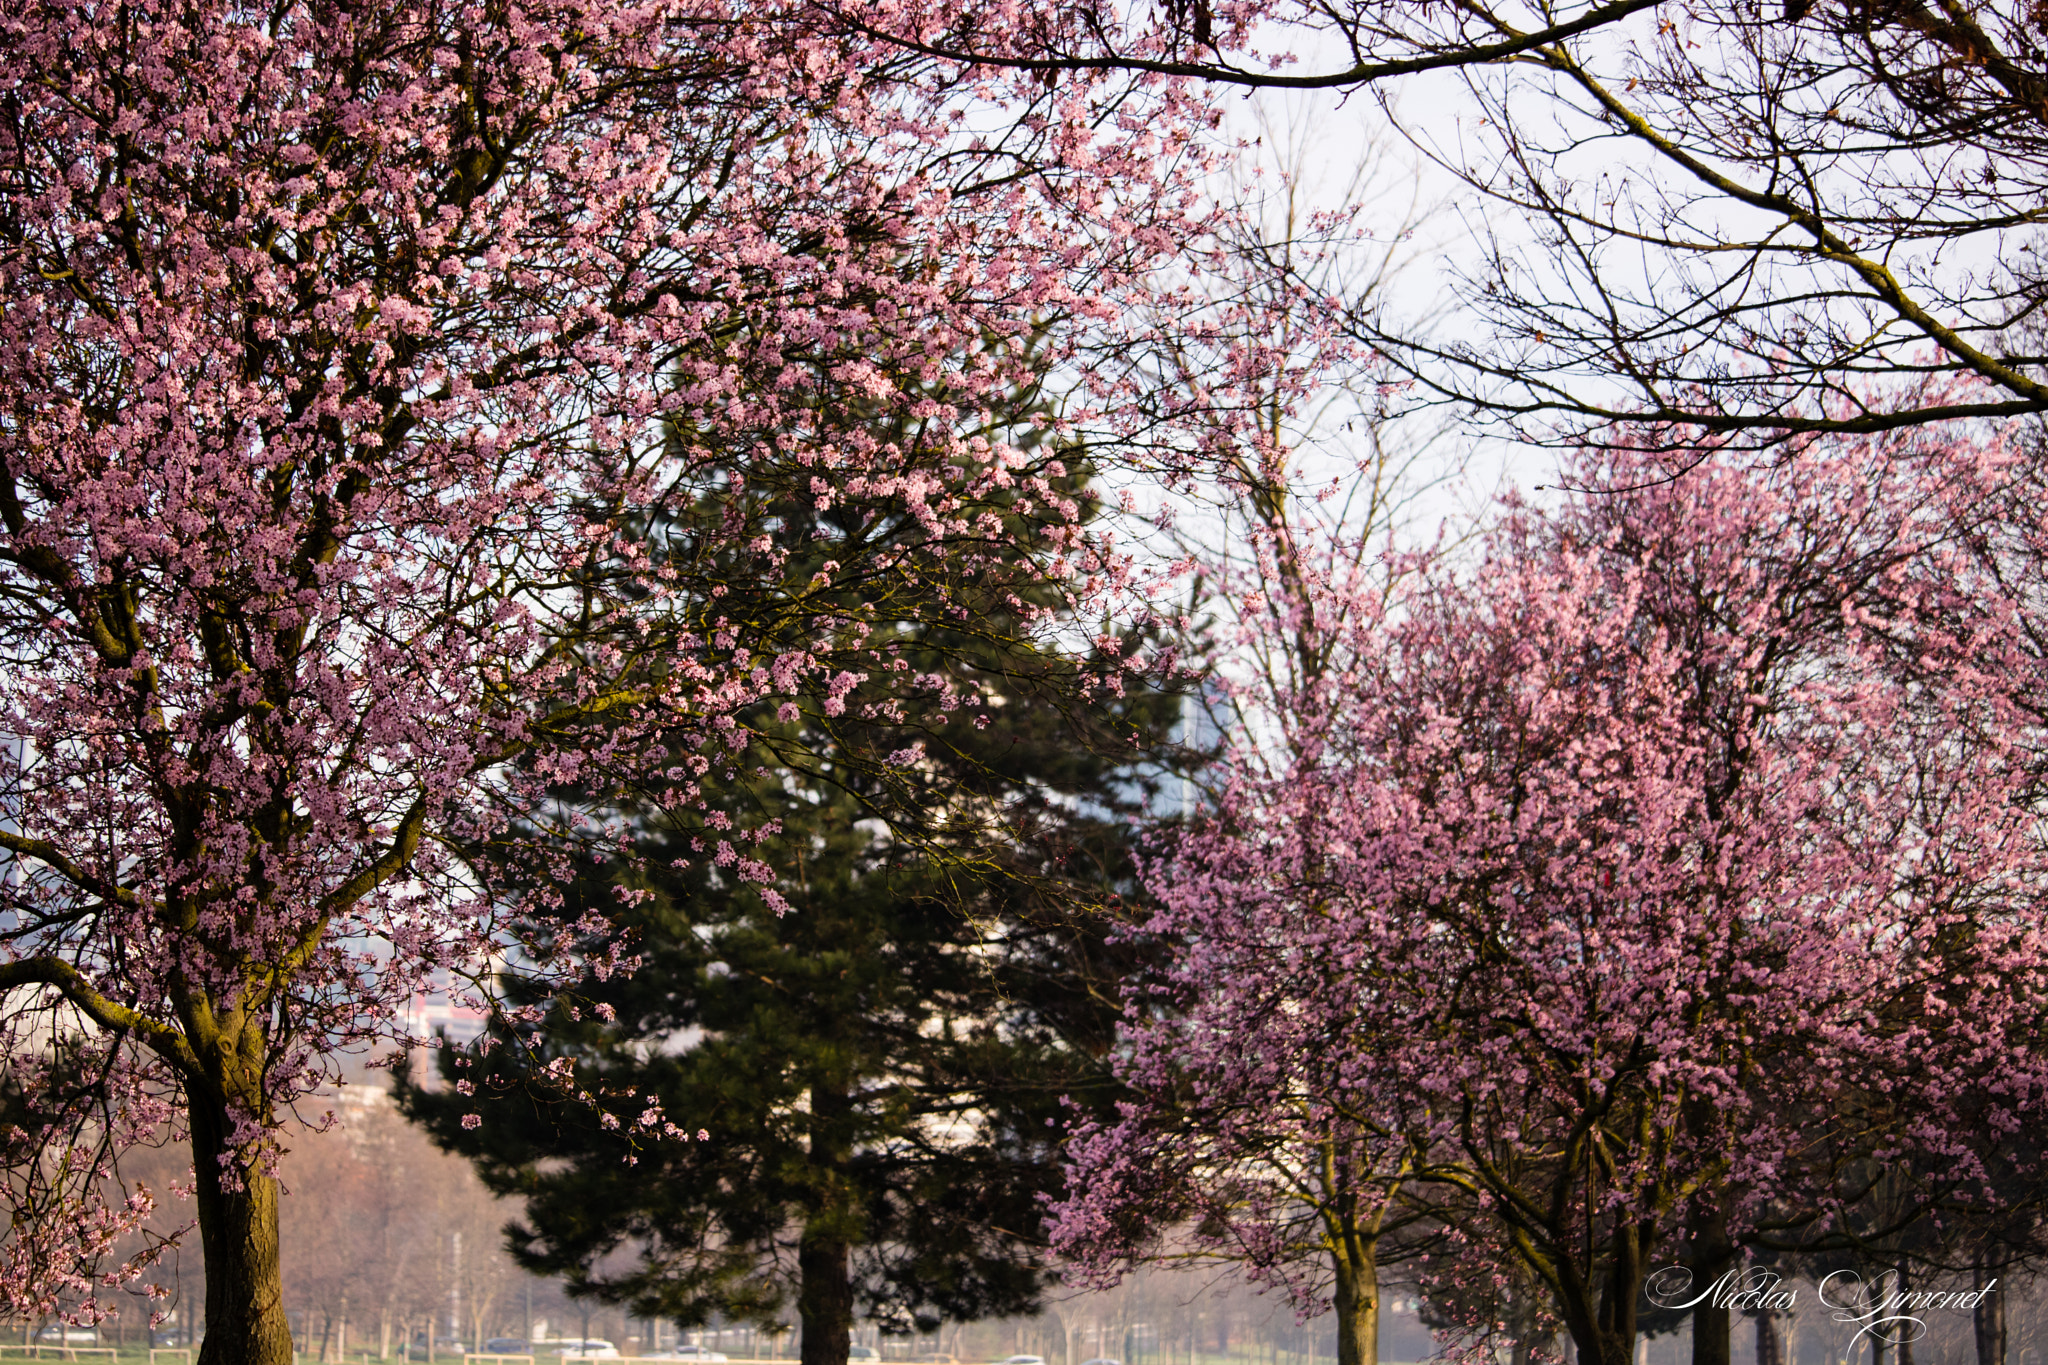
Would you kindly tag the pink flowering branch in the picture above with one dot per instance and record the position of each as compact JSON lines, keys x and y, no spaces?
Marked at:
{"x":1609,"y":874}
{"x":422,"y":431}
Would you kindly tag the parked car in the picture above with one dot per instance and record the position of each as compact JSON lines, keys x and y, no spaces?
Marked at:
{"x":862,"y":1353}
{"x":57,"y":1334}
{"x":936,"y":1358}
{"x":506,"y":1346}
{"x":1023,"y":1360}
{"x":1103,"y":1360}
{"x":168,"y":1337}
{"x":698,"y":1353}
{"x":590,"y":1348}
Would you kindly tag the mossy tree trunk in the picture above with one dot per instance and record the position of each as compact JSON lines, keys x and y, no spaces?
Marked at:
{"x":237,"y":1201}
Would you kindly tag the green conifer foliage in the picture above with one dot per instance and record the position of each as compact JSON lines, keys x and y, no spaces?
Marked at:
{"x":873,"y":1085}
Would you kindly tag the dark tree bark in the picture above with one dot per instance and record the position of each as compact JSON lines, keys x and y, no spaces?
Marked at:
{"x":824,"y":1300}
{"x":1711,"y":1256}
{"x":1769,"y":1351}
{"x":1358,"y":1307}
{"x":1990,"y":1317}
{"x":1906,"y":1329}
{"x":824,"y":1256}
{"x":237,"y":1208}
{"x":1599,"y":1310}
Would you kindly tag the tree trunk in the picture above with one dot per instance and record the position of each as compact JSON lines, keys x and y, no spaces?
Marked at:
{"x":825,"y":1284}
{"x":1710,"y":1256}
{"x":1524,"y":1312}
{"x":1990,"y":1319}
{"x":825,"y":1299}
{"x":245,"y":1322}
{"x":1358,"y":1309}
{"x":1712,"y":1334}
{"x":1598,"y":1302}
{"x":1906,"y":1328}
{"x":1768,"y":1350}
{"x":1603,"y":1335}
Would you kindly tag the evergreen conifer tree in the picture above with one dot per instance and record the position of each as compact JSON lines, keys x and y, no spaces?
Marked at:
{"x":874,"y":1081}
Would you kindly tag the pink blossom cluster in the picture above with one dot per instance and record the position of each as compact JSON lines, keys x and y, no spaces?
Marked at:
{"x":74,"y":1224}
{"x":419,"y":424}
{"x":1635,"y":874}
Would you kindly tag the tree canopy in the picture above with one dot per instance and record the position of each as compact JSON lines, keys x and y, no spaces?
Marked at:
{"x":873,"y":1056}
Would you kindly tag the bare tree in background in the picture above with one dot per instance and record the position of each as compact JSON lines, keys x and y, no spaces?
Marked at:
{"x":385,"y":1234}
{"x":1320,"y":484}
{"x":1758,"y":218}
